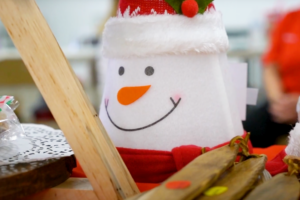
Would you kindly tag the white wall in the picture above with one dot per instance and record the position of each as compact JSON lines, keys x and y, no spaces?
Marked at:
{"x":70,"y":19}
{"x":240,"y":14}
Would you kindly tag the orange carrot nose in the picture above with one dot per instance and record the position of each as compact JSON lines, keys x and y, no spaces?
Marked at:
{"x":128,"y":95}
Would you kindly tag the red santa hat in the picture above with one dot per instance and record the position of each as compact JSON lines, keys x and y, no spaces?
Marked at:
{"x":159,"y":27}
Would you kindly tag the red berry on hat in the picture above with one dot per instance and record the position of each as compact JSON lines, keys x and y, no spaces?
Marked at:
{"x":190,"y":8}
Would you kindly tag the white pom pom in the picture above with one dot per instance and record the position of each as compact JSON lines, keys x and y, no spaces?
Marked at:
{"x":293,"y":148}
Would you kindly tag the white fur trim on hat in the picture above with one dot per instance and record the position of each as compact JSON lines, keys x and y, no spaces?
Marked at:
{"x":150,"y":35}
{"x":293,"y":147}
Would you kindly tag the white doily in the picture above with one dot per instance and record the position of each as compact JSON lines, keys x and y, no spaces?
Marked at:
{"x":41,"y":143}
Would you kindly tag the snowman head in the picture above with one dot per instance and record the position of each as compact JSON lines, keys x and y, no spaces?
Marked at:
{"x":165,"y":86}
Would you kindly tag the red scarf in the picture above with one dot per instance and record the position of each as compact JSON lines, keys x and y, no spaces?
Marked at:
{"x":148,"y":166}
{"x":152,"y":166}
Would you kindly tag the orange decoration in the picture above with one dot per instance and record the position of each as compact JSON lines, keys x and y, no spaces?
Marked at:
{"x":128,"y":95}
{"x":177,"y":185}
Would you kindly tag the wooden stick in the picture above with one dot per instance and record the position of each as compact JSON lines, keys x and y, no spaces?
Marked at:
{"x":66,"y":99}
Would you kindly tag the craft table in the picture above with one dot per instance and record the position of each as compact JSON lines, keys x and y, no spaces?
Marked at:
{"x":21,"y":180}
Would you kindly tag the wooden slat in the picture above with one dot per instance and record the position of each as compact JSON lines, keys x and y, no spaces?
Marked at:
{"x":238,"y":180}
{"x":201,"y":173}
{"x":65,"y":97}
{"x":278,"y":188}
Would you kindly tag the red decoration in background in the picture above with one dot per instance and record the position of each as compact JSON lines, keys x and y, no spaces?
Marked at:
{"x":189,"y":8}
{"x":148,"y":6}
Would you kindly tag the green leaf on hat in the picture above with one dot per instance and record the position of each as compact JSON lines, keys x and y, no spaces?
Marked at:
{"x":202,"y":4}
{"x":176,"y":5}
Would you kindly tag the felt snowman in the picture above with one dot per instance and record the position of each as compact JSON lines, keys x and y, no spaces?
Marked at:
{"x":167,"y":88}
{"x":166,"y":80}
{"x":168,"y":96}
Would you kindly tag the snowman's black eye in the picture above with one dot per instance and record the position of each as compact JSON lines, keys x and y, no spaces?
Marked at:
{"x":149,"y":71}
{"x":121,"y":71}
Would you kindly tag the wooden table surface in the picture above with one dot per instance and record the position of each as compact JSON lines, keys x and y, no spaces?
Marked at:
{"x":21,"y":180}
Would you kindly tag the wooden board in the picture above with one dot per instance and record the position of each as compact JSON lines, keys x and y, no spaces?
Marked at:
{"x":66,"y":99}
{"x":21,"y":180}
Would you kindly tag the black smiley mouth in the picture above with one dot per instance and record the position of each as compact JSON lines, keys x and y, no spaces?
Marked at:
{"x":144,"y":127}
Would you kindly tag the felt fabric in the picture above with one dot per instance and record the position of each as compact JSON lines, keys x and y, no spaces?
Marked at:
{"x":275,"y":154}
{"x":277,"y":165}
{"x":271,"y":151}
{"x":143,"y":187}
{"x":149,"y":166}
{"x":190,"y":102}
{"x":152,"y":166}
{"x":128,"y":95}
{"x":185,"y":154}
{"x":274,"y":165}
{"x":152,"y":35}
{"x":78,"y":171}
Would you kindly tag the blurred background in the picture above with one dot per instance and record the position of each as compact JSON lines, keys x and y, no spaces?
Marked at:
{"x":77,"y":25}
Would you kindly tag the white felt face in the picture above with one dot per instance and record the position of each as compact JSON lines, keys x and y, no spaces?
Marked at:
{"x":164,"y":102}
